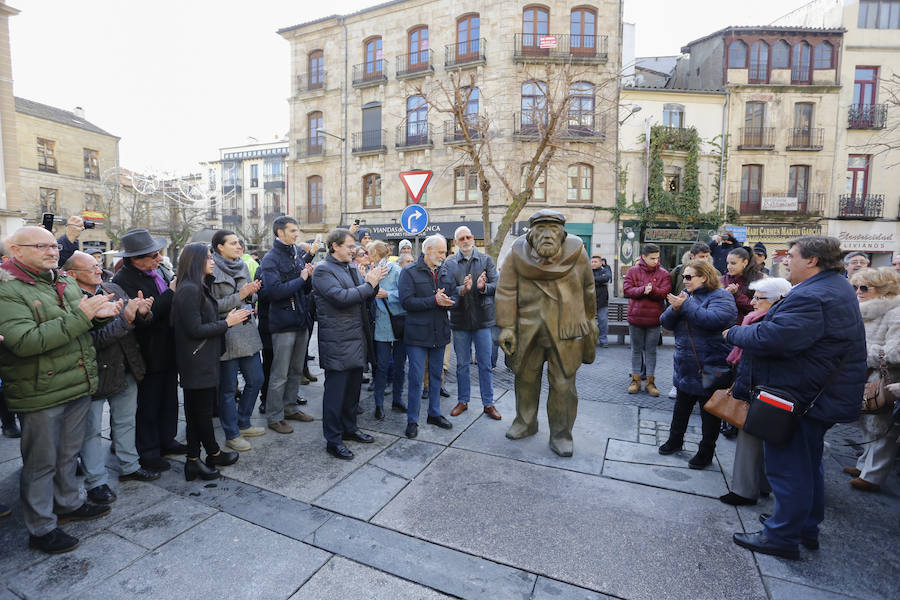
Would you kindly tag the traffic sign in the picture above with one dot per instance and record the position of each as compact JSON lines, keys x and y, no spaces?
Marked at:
{"x":415,"y":183}
{"x":414,"y":219}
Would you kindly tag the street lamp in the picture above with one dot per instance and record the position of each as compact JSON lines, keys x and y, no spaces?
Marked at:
{"x":634,"y":109}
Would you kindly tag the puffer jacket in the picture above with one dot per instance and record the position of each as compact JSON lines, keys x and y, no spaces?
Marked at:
{"x":644,"y":310}
{"x":701,"y":320}
{"x":881,"y":317}
{"x":802,"y":340}
{"x":341,"y":295}
{"x":427,"y":324}
{"x":476,"y":307}
{"x":117,"y":348}
{"x":199,"y":335}
{"x":286,"y":289}
{"x":383,"y":330}
{"x":243,"y":339}
{"x":47,"y":357}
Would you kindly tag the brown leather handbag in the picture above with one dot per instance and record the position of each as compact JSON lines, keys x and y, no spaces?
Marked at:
{"x":728,"y":408}
{"x":876,"y":397}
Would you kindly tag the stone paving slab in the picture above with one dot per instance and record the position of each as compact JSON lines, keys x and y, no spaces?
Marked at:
{"x":548,"y":589}
{"x":596,"y":422}
{"x":665,"y":416}
{"x":440,"y":568}
{"x":631,"y":452}
{"x":286,"y":516}
{"x":206,"y":492}
{"x":63,"y":575}
{"x":163,"y":521}
{"x":407,"y":458}
{"x":706,"y":482}
{"x":363,"y":493}
{"x":608,"y":536}
{"x":14,"y":551}
{"x":395,"y":422}
{"x":9,"y":449}
{"x":780,"y":589}
{"x":222,"y":557}
{"x":344,"y":579}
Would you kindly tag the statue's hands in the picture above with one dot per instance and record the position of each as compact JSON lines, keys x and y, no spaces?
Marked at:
{"x":507,"y":340}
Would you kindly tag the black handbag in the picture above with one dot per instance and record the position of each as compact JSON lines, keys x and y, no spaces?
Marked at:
{"x":398,"y":322}
{"x":712,"y":377}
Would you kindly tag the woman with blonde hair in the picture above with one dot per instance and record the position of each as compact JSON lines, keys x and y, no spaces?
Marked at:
{"x":878,"y":291}
{"x":390,"y":352}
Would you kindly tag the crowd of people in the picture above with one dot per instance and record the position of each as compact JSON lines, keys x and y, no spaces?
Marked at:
{"x":232,"y":331}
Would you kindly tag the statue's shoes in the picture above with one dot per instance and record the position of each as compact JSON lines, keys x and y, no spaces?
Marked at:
{"x":517,"y":432}
{"x":561,"y":447}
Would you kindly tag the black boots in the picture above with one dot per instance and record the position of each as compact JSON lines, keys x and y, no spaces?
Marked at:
{"x":193,"y":467}
{"x":221,"y":459}
{"x":703,"y":458}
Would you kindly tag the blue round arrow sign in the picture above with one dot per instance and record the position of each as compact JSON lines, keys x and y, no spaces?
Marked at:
{"x":414,"y":219}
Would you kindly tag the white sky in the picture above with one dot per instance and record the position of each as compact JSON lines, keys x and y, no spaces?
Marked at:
{"x":178,"y":79}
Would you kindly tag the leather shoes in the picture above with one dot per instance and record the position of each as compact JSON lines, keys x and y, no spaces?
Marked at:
{"x":412,"y":430}
{"x":758,"y":542}
{"x":492,"y":412}
{"x":459,"y":409}
{"x":155,"y":463}
{"x":281,"y":427}
{"x":340,"y":451}
{"x":358,"y":436}
{"x":299,"y":416}
{"x":194,"y":468}
{"x":55,"y":542}
{"x":222,"y":459}
{"x":441,"y":421}
{"x":444,"y":393}
{"x":379,"y":413}
{"x":141,"y":474}
{"x":85,"y":512}
{"x":736,"y":500}
{"x":101,"y":495}
{"x":808,"y":543}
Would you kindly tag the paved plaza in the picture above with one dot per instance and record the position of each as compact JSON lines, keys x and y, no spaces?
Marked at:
{"x":463,"y":513}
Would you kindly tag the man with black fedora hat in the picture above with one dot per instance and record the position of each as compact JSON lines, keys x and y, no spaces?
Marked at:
{"x":156,"y":422}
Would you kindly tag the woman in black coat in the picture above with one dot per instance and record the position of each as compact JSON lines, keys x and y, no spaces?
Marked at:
{"x":199,"y":341}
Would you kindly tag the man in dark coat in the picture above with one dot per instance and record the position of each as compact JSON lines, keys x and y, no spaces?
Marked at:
{"x":156,"y":421}
{"x":345,"y":339}
{"x":719,"y":247}
{"x":816,"y":331}
{"x":602,"y":277}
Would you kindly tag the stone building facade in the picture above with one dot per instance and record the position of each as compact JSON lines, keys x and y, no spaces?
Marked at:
{"x":11,"y":214}
{"x":366,"y":106}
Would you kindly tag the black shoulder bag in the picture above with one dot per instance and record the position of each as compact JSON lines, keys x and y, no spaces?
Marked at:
{"x":398,"y":322}
{"x":712,"y":377}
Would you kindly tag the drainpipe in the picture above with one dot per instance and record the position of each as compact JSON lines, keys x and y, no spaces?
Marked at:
{"x":344,"y":133}
{"x":721,"y":203}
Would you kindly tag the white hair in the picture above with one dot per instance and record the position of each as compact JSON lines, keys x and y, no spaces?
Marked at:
{"x":460,"y":229}
{"x":431,"y":240}
{"x":773,"y":287}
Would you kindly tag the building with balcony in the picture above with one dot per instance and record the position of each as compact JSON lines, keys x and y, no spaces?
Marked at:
{"x":67,"y":166}
{"x":373,"y":115}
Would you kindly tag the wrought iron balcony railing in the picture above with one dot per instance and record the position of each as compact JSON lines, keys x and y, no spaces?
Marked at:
{"x":806,"y":139}
{"x":414,"y":64}
{"x":413,"y":135}
{"x":307,"y":148}
{"x":867,"y":116}
{"x":308,"y":82}
{"x":370,"y":73}
{"x":454,"y":134}
{"x":868,"y":206}
{"x":757,"y":138}
{"x":560,"y":47}
{"x":580,"y":126}
{"x":369,"y":141}
{"x":461,"y":54}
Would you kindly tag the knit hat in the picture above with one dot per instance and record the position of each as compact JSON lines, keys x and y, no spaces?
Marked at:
{"x":760,"y":248}
{"x":405,"y":244}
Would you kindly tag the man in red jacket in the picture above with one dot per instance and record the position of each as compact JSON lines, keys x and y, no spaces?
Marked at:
{"x":646,"y":285}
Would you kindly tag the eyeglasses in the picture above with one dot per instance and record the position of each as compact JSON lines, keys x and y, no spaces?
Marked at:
{"x":154,"y":255}
{"x":757,"y":297}
{"x":688,"y":277}
{"x":862,"y":288}
{"x":41,"y":247}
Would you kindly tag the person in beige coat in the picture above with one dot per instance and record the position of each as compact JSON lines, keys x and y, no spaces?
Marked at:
{"x":878,"y":291}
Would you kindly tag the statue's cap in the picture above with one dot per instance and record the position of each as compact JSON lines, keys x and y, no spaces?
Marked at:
{"x":546,"y":216}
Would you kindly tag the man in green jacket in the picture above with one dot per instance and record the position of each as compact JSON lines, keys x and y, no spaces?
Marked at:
{"x":49,"y":371}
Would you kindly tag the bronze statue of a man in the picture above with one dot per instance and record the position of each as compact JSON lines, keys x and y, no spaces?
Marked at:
{"x":547,"y":310}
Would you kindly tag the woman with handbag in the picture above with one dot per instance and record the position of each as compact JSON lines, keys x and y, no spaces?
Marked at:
{"x":749,"y":481}
{"x":878,"y":291}
{"x":697,"y":316}
{"x":390,"y":353}
{"x":199,"y":342}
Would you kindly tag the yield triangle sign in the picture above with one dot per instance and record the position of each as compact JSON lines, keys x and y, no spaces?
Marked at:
{"x":415,"y":183}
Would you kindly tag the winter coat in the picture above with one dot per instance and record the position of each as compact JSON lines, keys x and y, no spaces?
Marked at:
{"x":47,"y":357}
{"x":801,"y":341}
{"x":243,"y":339}
{"x":719,"y":253}
{"x":156,"y":340}
{"x":118,"y":352}
{"x":427,"y":324}
{"x":881,"y":317}
{"x":383,"y":330}
{"x":68,"y":249}
{"x":743,"y":295}
{"x":281,"y":270}
{"x":644,"y":310}
{"x":601,"y":289}
{"x":199,"y":335}
{"x":344,"y":335}
{"x":701,"y":319}
{"x":476,"y":307}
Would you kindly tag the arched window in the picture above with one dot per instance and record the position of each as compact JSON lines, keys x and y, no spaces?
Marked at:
{"x":673,"y":115}
{"x":581,"y":108}
{"x":417,"y":44}
{"x":315,"y":211}
{"x":581,"y":183}
{"x":583,"y":31}
{"x":373,"y":58}
{"x":316,"y":70}
{"x":822,"y":58}
{"x":372,"y":191}
{"x":535,"y":23}
{"x":737,"y":55}
{"x":534,"y":105}
{"x":316,"y":137}
{"x":416,"y":121}
{"x":781,"y":55}
{"x":759,"y":63}
{"x":468,"y":38}
{"x":800,"y":66}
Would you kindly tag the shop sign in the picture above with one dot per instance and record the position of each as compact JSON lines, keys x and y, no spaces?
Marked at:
{"x":779,"y":203}
{"x":393,"y":231}
{"x":671,"y":236}
{"x":780,"y":232}
{"x":870,"y":238}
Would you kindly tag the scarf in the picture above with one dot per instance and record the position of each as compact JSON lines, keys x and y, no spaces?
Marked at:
{"x":233,"y":267}
{"x":161,"y":285}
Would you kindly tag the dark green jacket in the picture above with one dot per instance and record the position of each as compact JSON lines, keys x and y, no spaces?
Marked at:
{"x":47,"y":357}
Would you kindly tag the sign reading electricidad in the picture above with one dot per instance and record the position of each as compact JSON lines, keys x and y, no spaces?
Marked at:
{"x":414,"y":219}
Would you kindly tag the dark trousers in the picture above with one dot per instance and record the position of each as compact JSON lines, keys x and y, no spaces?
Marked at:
{"x":267,"y":355}
{"x":798,"y":484}
{"x":198,"y":409}
{"x":7,"y":418}
{"x":156,"y":420}
{"x":684,"y":405}
{"x":339,"y":402}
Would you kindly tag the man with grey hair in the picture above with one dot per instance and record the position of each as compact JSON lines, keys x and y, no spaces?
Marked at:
{"x":424,"y":287}
{"x":471,"y":322}
{"x":855,"y":261}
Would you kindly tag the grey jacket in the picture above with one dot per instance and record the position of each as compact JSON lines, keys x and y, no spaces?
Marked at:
{"x":243,"y":339}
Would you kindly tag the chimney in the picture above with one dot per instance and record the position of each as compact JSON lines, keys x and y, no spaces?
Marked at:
{"x":79,"y":112}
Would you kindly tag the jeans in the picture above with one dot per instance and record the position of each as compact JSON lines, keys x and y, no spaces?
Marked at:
{"x":122,"y":408}
{"x":339,"y":400}
{"x":644,"y":341}
{"x":462,"y":344}
{"x":288,"y":355}
{"x":234,"y":418}
{"x":416,"y":379}
{"x":198,"y":409}
{"x":50,"y":440}
{"x":385,"y":353}
{"x":603,"y":324}
{"x":495,"y":345}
